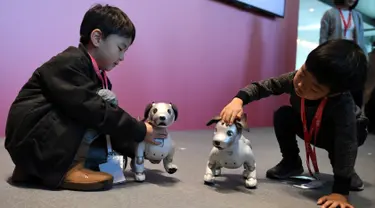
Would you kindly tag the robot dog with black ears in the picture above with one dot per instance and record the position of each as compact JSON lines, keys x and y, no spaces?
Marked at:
{"x":160,"y":115}
{"x":231,"y":150}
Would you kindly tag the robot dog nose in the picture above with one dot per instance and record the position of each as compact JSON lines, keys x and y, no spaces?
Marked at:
{"x":162,"y":118}
{"x":216,"y":143}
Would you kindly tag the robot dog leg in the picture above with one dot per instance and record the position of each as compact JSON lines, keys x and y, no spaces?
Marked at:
{"x":249,"y":173}
{"x":138,"y":163}
{"x":168,"y":161}
{"x":212,"y":169}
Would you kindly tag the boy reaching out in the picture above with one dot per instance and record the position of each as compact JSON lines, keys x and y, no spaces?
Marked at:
{"x":320,"y":99}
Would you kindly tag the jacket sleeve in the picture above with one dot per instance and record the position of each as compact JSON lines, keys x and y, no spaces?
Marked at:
{"x":265,"y":88}
{"x":345,"y":147}
{"x":75,"y":94}
{"x":325,"y":23}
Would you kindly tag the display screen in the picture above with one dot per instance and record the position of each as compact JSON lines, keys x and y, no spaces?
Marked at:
{"x":276,"y":7}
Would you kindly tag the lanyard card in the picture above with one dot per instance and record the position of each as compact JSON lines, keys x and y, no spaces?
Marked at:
{"x":311,"y":185}
{"x":114,"y":165}
{"x":303,"y":178}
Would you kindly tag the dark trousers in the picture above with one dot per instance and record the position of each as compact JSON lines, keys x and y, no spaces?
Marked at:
{"x":94,"y":151}
{"x":287,"y":125}
{"x":358,"y":97}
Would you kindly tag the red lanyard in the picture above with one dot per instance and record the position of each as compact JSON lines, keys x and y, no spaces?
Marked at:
{"x":346,"y":23}
{"x":314,"y":129}
{"x":103,"y":78}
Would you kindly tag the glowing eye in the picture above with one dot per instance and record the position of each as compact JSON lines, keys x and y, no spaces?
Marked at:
{"x":230,"y":133}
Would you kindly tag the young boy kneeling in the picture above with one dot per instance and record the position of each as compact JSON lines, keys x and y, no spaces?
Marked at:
{"x":321,"y":85}
{"x":48,"y":131}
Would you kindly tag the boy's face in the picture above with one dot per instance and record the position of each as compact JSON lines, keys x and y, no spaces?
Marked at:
{"x":346,"y":3}
{"x":109,"y":51}
{"x":306,"y":86}
{"x":350,"y":2}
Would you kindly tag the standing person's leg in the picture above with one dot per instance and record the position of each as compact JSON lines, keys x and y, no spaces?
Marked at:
{"x":370,"y":81}
{"x":287,"y":125}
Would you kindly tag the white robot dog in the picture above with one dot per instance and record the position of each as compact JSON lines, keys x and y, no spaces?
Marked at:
{"x":231,"y":150}
{"x":160,"y":115}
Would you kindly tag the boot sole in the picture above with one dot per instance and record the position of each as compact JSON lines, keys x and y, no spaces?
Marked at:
{"x":278,"y":177}
{"x":98,"y":186}
{"x":360,"y":188}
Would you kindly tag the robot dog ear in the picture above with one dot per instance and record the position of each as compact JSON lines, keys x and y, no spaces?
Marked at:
{"x":215,"y":119}
{"x":242,"y":123}
{"x":174,"y":108}
{"x":147,"y":110}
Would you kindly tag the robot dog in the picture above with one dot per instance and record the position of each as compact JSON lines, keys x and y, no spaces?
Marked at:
{"x":160,"y":115}
{"x":231,"y":150}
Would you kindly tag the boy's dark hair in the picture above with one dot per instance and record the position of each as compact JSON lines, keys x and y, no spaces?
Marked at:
{"x":339,"y":64}
{"x":109,"y":19}
{"x":343,"y":3}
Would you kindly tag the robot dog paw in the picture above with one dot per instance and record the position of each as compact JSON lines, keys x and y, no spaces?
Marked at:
{"x":140,"y":177}
{"x":171,"y":168}
{"x":208,"y":179}
{"x":251,"y":183}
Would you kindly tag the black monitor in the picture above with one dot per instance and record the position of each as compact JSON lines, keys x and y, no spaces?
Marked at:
{"x":269,"y":7}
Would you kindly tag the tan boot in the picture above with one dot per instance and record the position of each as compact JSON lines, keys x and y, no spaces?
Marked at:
{"x":81,"y":179}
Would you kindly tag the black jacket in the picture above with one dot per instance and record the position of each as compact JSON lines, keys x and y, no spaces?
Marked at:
{"x":52,"y":111}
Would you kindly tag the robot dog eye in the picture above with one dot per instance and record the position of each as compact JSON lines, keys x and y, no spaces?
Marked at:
{"x":230,"y":133}
{"x":154,"y":110}
{"x":169,"y":111}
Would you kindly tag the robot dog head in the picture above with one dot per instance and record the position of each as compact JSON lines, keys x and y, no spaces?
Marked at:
{"x":225,"y":135}
{"x":161,"y":114}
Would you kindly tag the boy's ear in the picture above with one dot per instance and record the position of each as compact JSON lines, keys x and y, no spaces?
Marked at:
{"x":96,"y":37}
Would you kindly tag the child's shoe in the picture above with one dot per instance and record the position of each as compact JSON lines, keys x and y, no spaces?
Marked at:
{"x":285,"y":169}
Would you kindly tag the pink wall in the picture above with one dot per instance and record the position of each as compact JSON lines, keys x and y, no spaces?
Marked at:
{"x":194,"y":53}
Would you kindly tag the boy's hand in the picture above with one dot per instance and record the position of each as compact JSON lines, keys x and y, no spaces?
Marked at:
{"x":232,"y":111}
{"x":150,"y":135}
{"x":333,"y":201}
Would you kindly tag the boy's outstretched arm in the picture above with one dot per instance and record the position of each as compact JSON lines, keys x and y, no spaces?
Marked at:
{"x":345,"y":147}
{"x":65,"y":84}
{"x":265,"y":88}
{"x":257,"y":91}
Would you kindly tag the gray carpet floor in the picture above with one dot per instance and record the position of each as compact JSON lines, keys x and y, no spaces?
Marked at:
{"x":186,"y":189}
